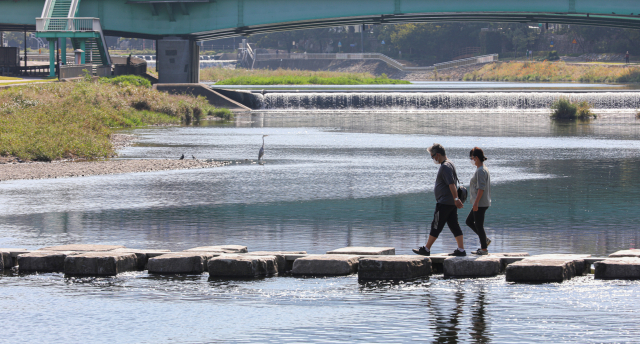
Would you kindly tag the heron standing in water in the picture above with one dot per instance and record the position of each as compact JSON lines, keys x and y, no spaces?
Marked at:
{"x":261,"y":152}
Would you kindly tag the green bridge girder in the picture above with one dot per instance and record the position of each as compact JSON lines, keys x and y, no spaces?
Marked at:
{"x":210,"y":19}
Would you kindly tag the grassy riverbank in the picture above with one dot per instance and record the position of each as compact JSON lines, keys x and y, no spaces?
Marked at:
{"x":291,"y":77}
{"x":554,"y":71}
{"x":51,"y":121}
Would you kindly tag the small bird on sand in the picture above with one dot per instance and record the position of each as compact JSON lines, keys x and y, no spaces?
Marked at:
{"x":182,"y":157}
{"x":261,"y":152}
{"x":194,"y":158}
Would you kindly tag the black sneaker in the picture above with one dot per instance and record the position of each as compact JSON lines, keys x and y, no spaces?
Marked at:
{"x":458,"y":253}
{"x":422,"y":251}
{"x":481,"y":252}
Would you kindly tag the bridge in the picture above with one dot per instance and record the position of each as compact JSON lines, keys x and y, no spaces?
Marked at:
{"x":178,"y":24}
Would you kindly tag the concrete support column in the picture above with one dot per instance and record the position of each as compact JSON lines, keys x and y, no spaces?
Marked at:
{"x":63,"y":52}
{"x":178,"y":60}
{"x":83,"y":48}
{"x":52,"y":57}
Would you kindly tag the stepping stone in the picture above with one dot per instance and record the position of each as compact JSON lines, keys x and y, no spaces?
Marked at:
{"x":506,"y":258}
{"x":627,"y":268}
{"x":99,"y":263}
{"x":82,"y":248}
{"x":582,"y":268}
{"x":364,"y":251}
{"x":244,"y":266}
{"x":393,"y":267}
{"x":539,"y":270}
{"x":43,"y":261}
{"x":620,"y":254}
{"x":325,"y":265}
{"x":142,"y":256}
{"x":10,"y":255}
{"x":283,"y":264}
{"x":222,"y":248}
{"x":472,"y":266}
{"x":180,"y":263}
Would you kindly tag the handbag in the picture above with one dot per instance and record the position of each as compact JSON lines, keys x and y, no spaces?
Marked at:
{"x":462,"y":191}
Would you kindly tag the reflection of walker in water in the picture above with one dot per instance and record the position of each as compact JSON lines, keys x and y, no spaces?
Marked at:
{"x":626,"y":57}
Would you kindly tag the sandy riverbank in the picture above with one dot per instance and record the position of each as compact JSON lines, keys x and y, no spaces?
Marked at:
{"x":65,"y":169}
{"x":12,"y":168}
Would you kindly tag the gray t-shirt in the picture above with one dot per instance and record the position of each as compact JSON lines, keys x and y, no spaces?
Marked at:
{"x":481,"y":180}
{"x":443,"y":180}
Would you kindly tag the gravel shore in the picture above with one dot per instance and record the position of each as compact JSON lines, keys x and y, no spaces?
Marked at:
{"x":64,"y":169}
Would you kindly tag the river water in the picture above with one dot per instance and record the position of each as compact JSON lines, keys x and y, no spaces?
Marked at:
{"x":333,"y":179}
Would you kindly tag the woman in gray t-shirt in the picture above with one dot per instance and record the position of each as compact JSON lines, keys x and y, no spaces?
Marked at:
{"x":480,"y":192}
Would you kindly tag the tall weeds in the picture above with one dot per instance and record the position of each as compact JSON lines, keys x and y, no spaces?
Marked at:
{"x":68,"y":120}
{"x":548,"y":71}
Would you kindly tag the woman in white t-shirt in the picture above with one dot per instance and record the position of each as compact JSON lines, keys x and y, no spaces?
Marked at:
{"x":480,"y":194}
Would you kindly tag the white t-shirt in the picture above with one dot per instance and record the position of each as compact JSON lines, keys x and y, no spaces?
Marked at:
{"x":481,"y":180}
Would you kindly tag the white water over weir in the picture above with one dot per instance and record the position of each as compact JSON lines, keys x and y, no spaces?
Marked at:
{"x":444,"y":100}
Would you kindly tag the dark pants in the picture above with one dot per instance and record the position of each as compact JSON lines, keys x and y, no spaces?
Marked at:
{"x":445,"y":214}
{"x":475,"y":221}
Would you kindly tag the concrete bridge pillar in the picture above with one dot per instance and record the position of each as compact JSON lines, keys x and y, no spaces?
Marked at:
{"x":178,"y":60}
{"x":52,"y":57}
{"x":84,"y":49}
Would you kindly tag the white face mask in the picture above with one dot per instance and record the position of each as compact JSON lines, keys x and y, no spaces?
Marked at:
{"x":435,"y":161}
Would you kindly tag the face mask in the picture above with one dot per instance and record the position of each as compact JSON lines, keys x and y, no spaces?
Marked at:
{"x":435,"y":161}
{"x":473,"y":162}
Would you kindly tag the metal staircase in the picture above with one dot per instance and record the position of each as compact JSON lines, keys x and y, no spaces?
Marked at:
{"x":59,"y":21}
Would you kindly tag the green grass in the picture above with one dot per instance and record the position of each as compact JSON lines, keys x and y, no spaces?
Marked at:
{"x":49,"y":121}
{"x":291,"y":77}
{"x":8,"y":78}
{"x":309,"y":80}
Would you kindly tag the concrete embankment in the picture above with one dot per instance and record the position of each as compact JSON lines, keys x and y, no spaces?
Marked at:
{"x":216,"y":99}
{"x":370,"y":263}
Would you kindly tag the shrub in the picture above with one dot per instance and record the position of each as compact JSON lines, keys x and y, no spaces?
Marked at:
{"x":127,"y":80}
{"x":564,"y":109}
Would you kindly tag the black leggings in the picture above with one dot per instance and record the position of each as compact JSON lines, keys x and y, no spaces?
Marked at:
{"x":475,"y":221}
{"x":445,"y":214}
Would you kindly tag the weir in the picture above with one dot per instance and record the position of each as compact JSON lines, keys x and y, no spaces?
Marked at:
{"x":443,"y":100}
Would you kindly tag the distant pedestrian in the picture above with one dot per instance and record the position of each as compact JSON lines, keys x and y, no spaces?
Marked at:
{"x":447,"y":205}
{"x":626,"y":57}
{"x":480,"y":189}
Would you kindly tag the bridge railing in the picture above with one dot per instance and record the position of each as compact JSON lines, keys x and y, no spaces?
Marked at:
{"x":467,"y":61}
{"x":68,"y":24}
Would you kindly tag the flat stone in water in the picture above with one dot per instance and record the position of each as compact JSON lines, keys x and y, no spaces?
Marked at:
{"x":541,"y":270}
{"x":325,"y":265}
{"x":9,"y":256}
{"x":582,"y":268}
{"x":82,"y":248}
{"x":99,"y":263}
{"x":221,"y":248}
{"x":142,"y":256}
{"x":635,"y":253}
{"x":43,"y":261}
{"x":364,"y":251}
{"x":393,"y":267}
{"x":180,"y":263}
{"x":627,"y":268}
{"x":283,"y":264}
{"x":243,"y":266}
{"x":472,"y":266}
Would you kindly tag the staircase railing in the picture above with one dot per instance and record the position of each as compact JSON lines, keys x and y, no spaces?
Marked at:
{"x":73,"y":9}
{"x":46,"y":10}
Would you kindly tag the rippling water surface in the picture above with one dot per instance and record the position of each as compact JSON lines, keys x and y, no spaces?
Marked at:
{"x":332,"y":179}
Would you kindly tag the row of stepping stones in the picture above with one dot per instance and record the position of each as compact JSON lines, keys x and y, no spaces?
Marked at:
{"x":371,"y":263}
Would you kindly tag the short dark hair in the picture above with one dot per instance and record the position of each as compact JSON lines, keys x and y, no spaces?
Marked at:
{"x":476,"y":151}
{"x":436,"y":148}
